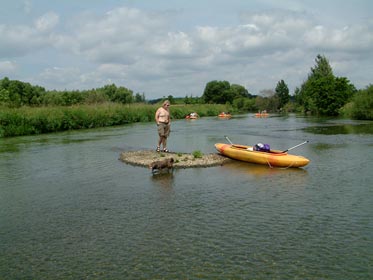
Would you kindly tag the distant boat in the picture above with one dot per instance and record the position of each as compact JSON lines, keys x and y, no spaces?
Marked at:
{"x":192,"y":116}
{"x":225,"y":115}
{"x":262,"y":114}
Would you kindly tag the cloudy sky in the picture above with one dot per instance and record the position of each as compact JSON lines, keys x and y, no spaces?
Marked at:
{"x":164,"y":47}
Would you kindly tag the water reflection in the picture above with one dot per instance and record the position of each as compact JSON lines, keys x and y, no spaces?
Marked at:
{"x":258,"y":169}
{"x":341,"y":129}
{"x":282,"y":176}
{"x":163,"y":179}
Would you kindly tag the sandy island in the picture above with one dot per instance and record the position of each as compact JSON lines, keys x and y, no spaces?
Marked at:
{"x":182,"y":160}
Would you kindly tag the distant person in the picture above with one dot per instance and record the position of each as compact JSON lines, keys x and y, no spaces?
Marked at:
{"x":162,"y":118}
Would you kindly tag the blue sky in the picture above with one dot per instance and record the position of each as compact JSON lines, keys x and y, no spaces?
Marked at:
{"x":162,"y":48}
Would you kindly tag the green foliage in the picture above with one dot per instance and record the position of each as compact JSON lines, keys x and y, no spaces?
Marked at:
{"x":197,"y":154}
{"x":244,"y":104}
{"x":96,"y":97}
{"x":16,"y":94}
{"x":264,"y":103}
{"x":221,"y":92}
{"x":282,"y":94}
{"x":28,"y":120}
{"x":239,"y":91}
{"x":190,"y":100}
{"x":171,"y":99}
{"x":139,"y":98}
{"x":217,"y":92}
{"x":362,"y":104}
{"x":323,"y":93}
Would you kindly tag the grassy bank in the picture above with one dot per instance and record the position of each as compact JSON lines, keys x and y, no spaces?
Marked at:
{"x":27,"y":120}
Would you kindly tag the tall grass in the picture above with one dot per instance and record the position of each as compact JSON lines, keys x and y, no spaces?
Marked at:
{"x":27,"y":120}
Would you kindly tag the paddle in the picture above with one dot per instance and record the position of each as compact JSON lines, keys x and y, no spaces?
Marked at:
{"x":296,"y":146}
{"x":233,"y":145}
{"x":226,"y":137}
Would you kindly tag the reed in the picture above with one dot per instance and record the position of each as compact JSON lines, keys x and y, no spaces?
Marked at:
{"x":29,"y":120}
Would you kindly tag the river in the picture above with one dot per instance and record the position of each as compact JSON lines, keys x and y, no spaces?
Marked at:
{"x":69,"y":209}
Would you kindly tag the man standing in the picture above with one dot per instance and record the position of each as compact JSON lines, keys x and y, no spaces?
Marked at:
{"x":162,"y":118}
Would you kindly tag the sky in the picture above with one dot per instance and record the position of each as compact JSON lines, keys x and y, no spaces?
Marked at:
{"x":161,"y":48}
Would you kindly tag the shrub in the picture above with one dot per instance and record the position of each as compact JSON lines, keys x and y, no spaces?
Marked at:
{"x":197,"y":154}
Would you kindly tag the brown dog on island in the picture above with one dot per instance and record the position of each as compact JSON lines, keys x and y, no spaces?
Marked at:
{"x":162,"y":164}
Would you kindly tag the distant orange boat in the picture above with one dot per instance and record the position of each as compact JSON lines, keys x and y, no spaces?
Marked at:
{"x":262,"y":114}
{"x":225,"y":115}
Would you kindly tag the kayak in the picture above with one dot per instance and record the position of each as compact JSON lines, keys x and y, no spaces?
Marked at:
{"x":273,"y":158}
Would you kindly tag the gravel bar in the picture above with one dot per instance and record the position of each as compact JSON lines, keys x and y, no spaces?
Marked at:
{"x":182,"y":160}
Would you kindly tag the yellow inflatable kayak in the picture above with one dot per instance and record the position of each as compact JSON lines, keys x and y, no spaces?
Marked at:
{"x":273,"y":158}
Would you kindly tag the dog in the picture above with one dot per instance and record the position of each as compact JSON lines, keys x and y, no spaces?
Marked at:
{"x":162,"y":164}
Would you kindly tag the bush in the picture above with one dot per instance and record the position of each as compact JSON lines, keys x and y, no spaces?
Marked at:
{"x":361,"y":106}
{"x":197,"y":154}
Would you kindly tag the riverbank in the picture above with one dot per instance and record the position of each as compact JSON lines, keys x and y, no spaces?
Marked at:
{"x":39,"y":120}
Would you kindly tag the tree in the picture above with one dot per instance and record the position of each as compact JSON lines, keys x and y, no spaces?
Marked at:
{"x":221,"y":92}
{"x":323,"y":93}
{"x":16,"y":93}
{"x":217,"y":92}
{"x":282,"y":93}
{"x":123,"y":95}
{"x":171,"y":99}
{"x":139,"y":98}
{"x":239,"y":91}
{"x":110,"y":90}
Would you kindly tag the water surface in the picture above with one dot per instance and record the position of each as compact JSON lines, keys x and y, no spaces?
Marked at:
{"x":69,"y":209}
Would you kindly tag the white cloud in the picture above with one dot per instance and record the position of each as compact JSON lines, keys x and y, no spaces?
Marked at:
{"x":176,"y":44}
{"x":20,"y":40}
{"x":59,"y":78}
{"x":120,"y":35}
{"x":27,"y":7}
{"x":7,"y":67}
{"x":47,"y":22}
{"x":147,"y":51}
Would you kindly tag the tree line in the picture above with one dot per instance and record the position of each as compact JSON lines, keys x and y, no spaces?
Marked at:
{"x":14,"y":93}
{"x":322,"y":93}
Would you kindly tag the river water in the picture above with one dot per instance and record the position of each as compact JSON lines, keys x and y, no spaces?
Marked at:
{"x":69,"y":209}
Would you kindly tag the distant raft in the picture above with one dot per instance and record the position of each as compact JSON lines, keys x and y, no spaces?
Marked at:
{"x":261,"y":115}
{"x":225,"y":115}
{"x":192,"y":116}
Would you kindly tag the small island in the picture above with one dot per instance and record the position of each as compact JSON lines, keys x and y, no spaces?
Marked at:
{"x":182,"y":160}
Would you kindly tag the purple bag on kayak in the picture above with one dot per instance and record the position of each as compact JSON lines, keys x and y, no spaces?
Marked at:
{"x":262,"y":147}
